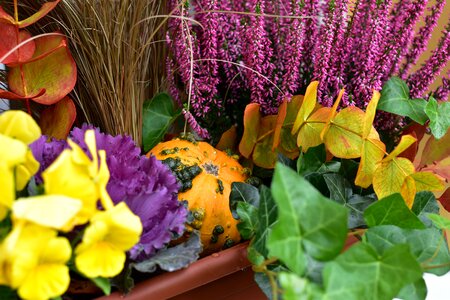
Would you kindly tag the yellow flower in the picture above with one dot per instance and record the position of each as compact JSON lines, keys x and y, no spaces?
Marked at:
{"x":110,"y":234}
{"x":74,"y":175}
{"x":33,"y":261}
{"x":12,"y":153}
{"x":54,"y":211}
{"x":19,"y":125}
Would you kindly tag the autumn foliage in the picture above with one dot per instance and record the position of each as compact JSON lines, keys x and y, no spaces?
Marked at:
{"x":40,"y":69}
{"x":302,"y":123}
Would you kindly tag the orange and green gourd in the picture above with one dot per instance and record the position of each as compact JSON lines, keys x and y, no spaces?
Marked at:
{"x":205,"y":175}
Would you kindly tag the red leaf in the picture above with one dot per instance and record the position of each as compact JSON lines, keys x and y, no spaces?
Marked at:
{"x":228,"y":139}
{"x":9,"y":39}
{"x":55,"y":70}
{"x":57,"y":120}
{"x":445,"y":199}
{"x":11,"y":96}
{"x":42,"y":12}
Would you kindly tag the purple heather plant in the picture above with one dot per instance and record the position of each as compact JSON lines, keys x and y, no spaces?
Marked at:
{"x":146,"y":185}
{"x":244,"y":48}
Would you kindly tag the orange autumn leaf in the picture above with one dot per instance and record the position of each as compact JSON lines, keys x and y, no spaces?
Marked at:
{"x":372,"y":153}
{"x":308,"y":105}
{"x":263,"y":156}
{"x":405,"y":142}
{"x":408,"y":191}
{"x":343,"y":136}
{"x":389,"y":176}
{"x":228,"y":139}
{"x":57,"y":120}
{"x":287,"y":113}
{"x":309,"y":134}
{"x":252,"y":120}
{"x":372,"y":150}
{"x":281,"y":116}
{"x":427,"y":181}
{"x":332,"y":114}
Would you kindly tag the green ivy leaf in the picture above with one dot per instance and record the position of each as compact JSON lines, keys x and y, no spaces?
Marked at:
{"x":312,"y":160}
{"x":267,"y":216}
{"x":414,"y":291}
{"x":439,"y":221}
{"x":295,"y":287}
{"x":362,"y":273}
{"x":174,"y":258}
{"x":341,"y":192}
{"x":242,"y":192}
{"x":427,"y":245}
{"x":425,"y":202}
{"x":249,"y":222}
{"x":158,"y":114}
{"x":395,"y":99}
{"x":6,"y":293}
{"x":392,"y":210}
{"x":103,"y":283}
{"x":439,"y":115}
{"x":298,"y":230}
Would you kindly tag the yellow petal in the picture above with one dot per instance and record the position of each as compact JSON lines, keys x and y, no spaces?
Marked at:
{"x":102,"y":181}
{"x":100,"y":260}
{"x":25,"y":170}
{"x":89,"y":138}
{"x":12,"y":152}
{"x":7,"y":190}
{"x":55,"y":211}
{"x":45,"y":282}
{"x":19,"y":125}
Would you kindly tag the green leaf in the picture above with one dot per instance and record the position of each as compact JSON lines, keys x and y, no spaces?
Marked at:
{"x":312,"y":160}
{"x":307,"y":222}
{"x":103,"y":283}
{"x":425,"y":202}
{"x":362,"y":273}
{"x":158,"y":114}
{"x":392,"y":210}
{"x":6,"y":293}
{"x":395,"y":99}
{"x":414,"y":291}
{"x":341,"y":192}
{"x":174,"y":258}
{"x":124,"y":282}
{"x":340,"y":188}
{"x":427,"y":245}
{"x":439,"y":221}
{"x":267,"y":216}
{"x":439,"y":115}
{"x":295,"y":287}
{"x":249,"y":224}
{"x":264,"y":283}
{"x":242,"y":192}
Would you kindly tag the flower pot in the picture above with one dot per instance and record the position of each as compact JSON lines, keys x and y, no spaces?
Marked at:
{"x":223,"y":275}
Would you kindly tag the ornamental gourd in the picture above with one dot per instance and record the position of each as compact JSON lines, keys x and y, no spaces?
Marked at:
{"x":205,"y":175}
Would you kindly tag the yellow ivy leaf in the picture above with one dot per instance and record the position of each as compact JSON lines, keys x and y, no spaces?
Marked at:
{"x":252,"y":120}
{"x":343,"y":138}
{"x":390,"y":175}
{"x":309,"y":102}
{"x":332,"y":114}
{"x":405,"y":142}
{"x":408,"y":191}
{"x":370,"y":114}
{"x":427,"y":181}
{"x":309,"y":134}
{"x":372,"y":153}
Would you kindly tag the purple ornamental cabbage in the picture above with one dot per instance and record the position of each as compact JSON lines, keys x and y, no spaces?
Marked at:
{"x":146,"y":185}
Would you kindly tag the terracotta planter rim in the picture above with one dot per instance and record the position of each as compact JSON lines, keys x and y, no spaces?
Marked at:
{"x":201,"y":272}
